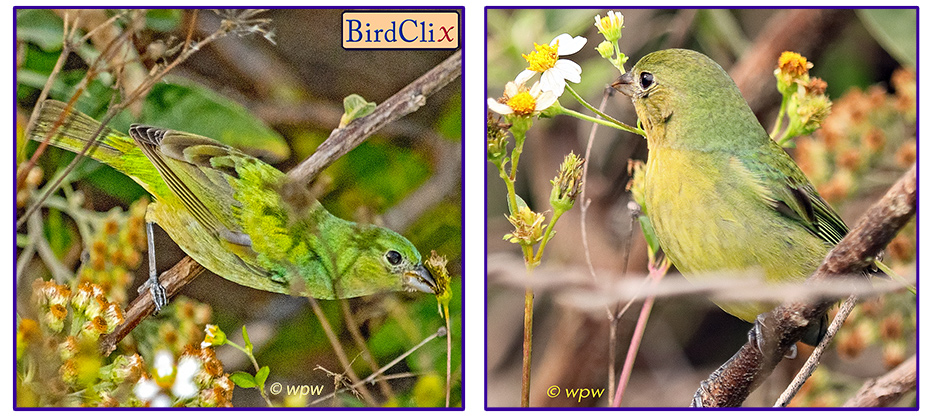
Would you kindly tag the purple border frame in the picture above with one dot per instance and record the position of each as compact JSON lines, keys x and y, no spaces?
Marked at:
{"x":486,"y":405}
{"x":462,"y":30}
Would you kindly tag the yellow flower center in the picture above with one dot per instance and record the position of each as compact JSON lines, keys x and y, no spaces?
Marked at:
{"x":542,"y":58}
{"x":522,"y":104}
{"x":792,"y":63}
{"x":607,"y":23}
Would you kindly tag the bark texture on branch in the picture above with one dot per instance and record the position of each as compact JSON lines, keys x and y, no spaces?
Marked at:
{"x":406,"y":101}
{"x":173,"y":280}
{"x":889,"y":388}
{"x":732,"y":383}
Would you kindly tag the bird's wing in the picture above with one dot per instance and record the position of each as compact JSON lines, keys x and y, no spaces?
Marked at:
{"x":786,"y":189}
{"x":204,"y":175}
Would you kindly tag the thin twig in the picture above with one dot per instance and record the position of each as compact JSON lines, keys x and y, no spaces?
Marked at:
{"x":351,"y":325}
{"x":407,"y":100}
{"x":338,"y":350}
{"x":656,"y":272}
{"x":440,"y":333}
{"x":527,"y":348}
{"x":814,"y":359}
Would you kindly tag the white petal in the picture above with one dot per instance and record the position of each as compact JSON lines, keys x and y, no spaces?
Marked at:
{"x":163,"y":363}
{"x":511,"y":89}
{"x":498,"y":107}
{"x":545,"y":100}
{"x":188,"y":366}
{"x":568,"y":69}
{"x":161,"y":401}
{"x":553,"y":81}
{"x":146,"y":389}
{"x":524,"y":76}
{"x":184,"y":389}
{"x":568,"y":45}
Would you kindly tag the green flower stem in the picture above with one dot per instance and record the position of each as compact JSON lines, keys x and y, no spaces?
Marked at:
{"x":510,"y":188}
{"x":607,"y":120}
{"x":249,"y":354}
{"x":781,"y":114}
{"x":519,"y":135}
{"x":894,"y":275}
{"x":546,"y":237}
{"x":785,"y":137}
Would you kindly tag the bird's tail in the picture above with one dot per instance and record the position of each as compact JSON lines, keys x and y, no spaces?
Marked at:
{"x":76,"y":129}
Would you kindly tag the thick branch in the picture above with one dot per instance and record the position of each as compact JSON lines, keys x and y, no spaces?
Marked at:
{"x":406,"y":101}
{"x":779,"y":329}
{"x":173,"y":280}
{"x":889,"y":388}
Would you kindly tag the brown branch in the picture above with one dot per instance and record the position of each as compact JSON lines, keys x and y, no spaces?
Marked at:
{"x":889,"y":388}
{"x":406,"y":101}
{"x":729,"y":385}
{"x":173,"y":280}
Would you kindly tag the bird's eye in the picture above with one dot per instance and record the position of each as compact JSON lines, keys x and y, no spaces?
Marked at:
{"x":393,"y":257}
{"x":646,"y":79}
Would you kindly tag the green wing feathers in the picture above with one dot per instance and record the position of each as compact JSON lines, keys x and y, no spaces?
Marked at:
{"x":790,"y":193}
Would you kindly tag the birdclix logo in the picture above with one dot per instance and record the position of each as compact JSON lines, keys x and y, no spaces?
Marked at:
{"x":401,"y":30}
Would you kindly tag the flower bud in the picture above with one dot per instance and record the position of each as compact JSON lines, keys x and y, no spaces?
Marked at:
{"x":567,"y":185}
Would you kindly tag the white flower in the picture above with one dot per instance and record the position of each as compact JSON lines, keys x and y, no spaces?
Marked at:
{"x":184,"y":386}
{"x":163,"y":364}
{"x":610,"y":25}
{"x":544,"y":59}
{"x":521,"y":100}
{"x":147,"y":390}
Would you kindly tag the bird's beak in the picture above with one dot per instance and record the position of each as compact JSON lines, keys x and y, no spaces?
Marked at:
{"x":419,"y":279}
{"x":625,"y":84}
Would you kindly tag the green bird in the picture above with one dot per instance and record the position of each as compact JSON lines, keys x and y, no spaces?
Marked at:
{"x":721,"y":195}
{"x":225,"y":209}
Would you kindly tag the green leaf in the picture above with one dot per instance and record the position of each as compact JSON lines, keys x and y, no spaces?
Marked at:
{"x":163,"y":20}
{"x":243,"y":379}
{"x":896,"y":30}
{"x":649,"y":232}
{"x":41,"y":27}
{"x":261,"y":376}
{"x":355,"y":107}
{"x":247,"y":344}
{"x":520,"y":203}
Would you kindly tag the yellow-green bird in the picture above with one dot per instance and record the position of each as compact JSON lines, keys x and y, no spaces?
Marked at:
{"x":225,"y":209}
{"x":721,"y":195}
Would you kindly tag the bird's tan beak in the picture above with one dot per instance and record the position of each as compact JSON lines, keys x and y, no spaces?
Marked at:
{"x":419,"y":279}
{"x":625,"y":84}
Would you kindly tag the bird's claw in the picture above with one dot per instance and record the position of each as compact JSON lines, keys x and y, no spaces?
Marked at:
{"x":756,"y":335}
{"x":159,"y":296}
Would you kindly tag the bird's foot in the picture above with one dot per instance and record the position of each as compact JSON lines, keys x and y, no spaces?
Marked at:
{"x":756,"y":334}
{"x":159,"y":296}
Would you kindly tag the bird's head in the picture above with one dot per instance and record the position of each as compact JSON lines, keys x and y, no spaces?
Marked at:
{"x":385,"y":261}
{"x":674,"y":90}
